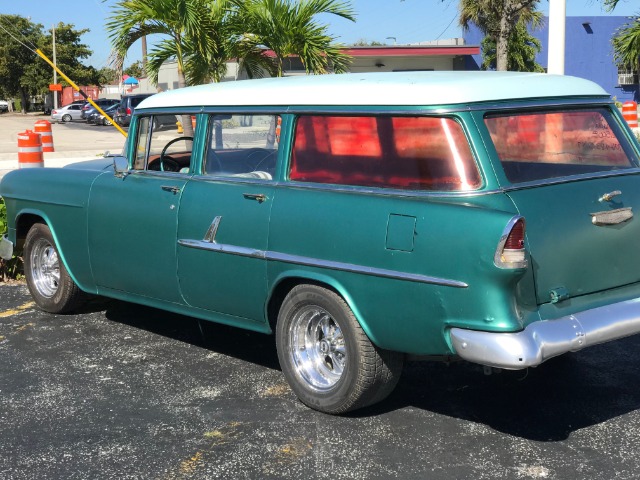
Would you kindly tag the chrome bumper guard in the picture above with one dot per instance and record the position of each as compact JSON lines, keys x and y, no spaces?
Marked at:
{"x":545,"y":339}
{"x":6,"y":248}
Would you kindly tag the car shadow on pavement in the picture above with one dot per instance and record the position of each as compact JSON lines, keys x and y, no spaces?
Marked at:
{"x":250,"y":346}
{"x":547,"y":403}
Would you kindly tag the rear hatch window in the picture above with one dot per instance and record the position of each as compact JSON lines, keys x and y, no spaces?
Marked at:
{"x":542,"y":145}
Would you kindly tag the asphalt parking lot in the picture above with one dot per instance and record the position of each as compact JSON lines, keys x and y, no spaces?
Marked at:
{"x":120,"y":391}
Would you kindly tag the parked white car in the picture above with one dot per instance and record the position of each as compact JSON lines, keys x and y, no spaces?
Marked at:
{"x":67,"y":113}
{"x":4,"y":106}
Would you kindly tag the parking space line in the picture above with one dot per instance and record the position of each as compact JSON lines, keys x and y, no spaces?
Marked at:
{"x":17,"y":310}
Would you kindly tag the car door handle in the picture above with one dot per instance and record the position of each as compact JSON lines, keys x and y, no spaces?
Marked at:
{"x":260,"y":197}
{"x":172,"y":189}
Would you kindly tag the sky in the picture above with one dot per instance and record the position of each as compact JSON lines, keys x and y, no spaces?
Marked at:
{"x":385,"y":21}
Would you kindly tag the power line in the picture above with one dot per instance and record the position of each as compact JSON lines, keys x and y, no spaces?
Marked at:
{"x":447,"y":27}
{"x":32,"y":48}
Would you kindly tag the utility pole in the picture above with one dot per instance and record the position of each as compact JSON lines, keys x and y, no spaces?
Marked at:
{"x":55,"y":73}
{"x":557,"y":21}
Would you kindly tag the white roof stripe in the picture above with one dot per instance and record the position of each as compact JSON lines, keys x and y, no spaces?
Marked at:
{"x":397,"y":88}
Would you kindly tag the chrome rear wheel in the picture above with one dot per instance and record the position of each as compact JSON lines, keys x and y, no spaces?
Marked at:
{"x":317,"y":348}
{"x":326,"y":357}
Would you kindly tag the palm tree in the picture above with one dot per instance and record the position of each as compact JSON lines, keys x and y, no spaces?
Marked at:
{"x":178,"y":21}
{"x":523,"y":48}
{"x":211,"y":65}
{"x":497,"y":18}
{"x":289,"y":27}
{"x":626,"y":45}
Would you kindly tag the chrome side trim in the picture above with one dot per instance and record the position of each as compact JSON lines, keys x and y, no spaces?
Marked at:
{"x":315,"y":262}
{"x":210,"y":236}
{"x":6,"y":248}
{"x":545,"y":339}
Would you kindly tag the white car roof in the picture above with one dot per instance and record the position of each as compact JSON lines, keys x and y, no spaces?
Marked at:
{"x":388,"y":88}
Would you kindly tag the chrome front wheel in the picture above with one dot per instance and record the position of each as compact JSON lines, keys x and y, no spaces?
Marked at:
{"x":51,"y":286}
{"x":44,"y":267}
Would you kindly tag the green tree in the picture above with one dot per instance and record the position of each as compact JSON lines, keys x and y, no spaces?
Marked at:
{"x":523,"y":48}
{"x":135,"y":70}
{"x":626,"y":42}
{"x":19,"y":66}
{"x":289,"y":27}
{"x":497,"y":19}
{"x":23,"y":74}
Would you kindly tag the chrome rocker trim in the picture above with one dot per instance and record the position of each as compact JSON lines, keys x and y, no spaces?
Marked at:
{"x":6,"y":248}
{"x":545,"y":339}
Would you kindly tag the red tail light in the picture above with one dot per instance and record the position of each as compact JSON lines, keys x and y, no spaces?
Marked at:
{"x":511,"y":252}
{"x":128,"y":111}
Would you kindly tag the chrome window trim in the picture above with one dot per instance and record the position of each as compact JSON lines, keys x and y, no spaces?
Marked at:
{"x":316,"y":262}
{"x":569,"y":179}
{"x":387,"y":192}
{"x":347,"y":110}
{"x":163,"y":175}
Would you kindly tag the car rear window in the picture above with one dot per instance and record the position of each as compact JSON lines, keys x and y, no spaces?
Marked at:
{"x":540,"y":145}
{"x":413,"y":153}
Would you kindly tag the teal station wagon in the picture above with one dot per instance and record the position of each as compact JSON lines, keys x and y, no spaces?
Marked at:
{"x":360,"y":218}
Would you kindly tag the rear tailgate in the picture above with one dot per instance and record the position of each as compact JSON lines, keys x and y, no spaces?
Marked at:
{"x":573,"y":174}
{"x":574,"y":249}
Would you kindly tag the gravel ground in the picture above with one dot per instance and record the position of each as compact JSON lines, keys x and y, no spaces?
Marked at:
{"x":125,"y":392}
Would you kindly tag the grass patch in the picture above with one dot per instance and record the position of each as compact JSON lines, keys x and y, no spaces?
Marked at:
{"x":9,"y":269}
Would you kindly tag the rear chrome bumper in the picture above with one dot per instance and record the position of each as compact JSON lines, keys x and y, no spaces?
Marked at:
{"x":6,"y":248}
{"x":545,"y":339}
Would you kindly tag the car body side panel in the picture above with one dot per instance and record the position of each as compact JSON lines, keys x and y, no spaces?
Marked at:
{"x":406,"y":315}
{"x":59,"y":197}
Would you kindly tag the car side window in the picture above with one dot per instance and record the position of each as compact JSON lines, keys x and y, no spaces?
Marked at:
{"x":244,"y":146}
{"x":162,"y":144}
{"x":401,"y":152}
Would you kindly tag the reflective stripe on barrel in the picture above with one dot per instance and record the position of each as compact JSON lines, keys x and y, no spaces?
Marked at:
{"x":29,"y":150}
{"x":630,"y":113}
{"x":43,"y":127}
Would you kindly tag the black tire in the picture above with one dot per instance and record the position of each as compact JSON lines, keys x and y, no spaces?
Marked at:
{"x":50,"y":285}
{"x":105,"y":122}
{"x":66,"y":118}
{"x":328,"y":360}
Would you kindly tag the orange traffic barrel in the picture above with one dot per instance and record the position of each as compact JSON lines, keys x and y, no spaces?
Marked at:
{"x":43,"y":127}
{"x":29,"y":150}
{"x":630,"y":113}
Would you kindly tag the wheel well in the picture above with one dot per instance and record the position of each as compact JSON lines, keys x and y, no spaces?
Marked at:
{"x":23,"y":225}
{"x":282,"y":289}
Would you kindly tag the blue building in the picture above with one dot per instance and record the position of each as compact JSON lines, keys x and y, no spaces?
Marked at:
{"x":588,"y":53}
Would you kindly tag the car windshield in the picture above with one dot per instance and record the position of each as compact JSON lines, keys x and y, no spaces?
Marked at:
{"x":540,"y":145}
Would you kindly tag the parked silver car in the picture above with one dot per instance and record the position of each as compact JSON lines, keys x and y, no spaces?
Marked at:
{"x":67,"y":113}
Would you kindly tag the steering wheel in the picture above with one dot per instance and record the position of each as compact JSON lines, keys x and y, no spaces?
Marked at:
{"x":170,"y":161}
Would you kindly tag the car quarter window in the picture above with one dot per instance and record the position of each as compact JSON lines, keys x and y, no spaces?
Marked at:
{"x":162,"y":144}
{"x":539,"y":145}
{"x":242,"y":146}
{"x":402,"y":152}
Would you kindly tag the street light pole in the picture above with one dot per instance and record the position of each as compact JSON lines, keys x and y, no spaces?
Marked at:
{"x":557,"y":20}
{"x":55,"y":73}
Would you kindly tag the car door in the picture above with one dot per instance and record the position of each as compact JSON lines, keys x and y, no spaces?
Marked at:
{"x":223,"y":223}
{"x":133,"y":218}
